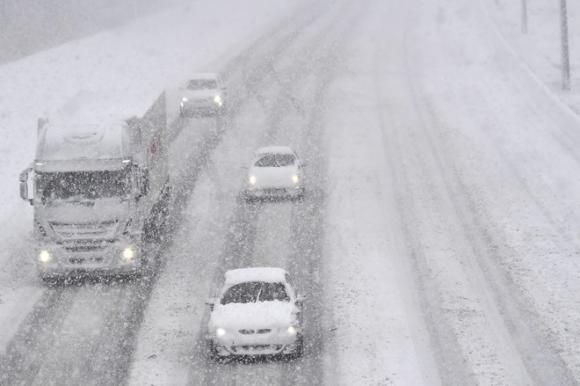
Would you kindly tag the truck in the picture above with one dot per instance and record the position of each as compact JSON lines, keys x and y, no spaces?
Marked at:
{"x":99,"y":188}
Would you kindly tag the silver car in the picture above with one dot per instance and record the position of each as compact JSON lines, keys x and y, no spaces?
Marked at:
{"x":257,"y":313}
{"x":276,"y":172}
{"x":203,"y":95}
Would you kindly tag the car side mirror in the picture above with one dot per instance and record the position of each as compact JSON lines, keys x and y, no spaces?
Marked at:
{"x":27,"y":186}
{"x":210,"y":302}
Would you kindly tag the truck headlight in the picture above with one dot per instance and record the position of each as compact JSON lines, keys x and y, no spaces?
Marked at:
{"x":291,"y":330}
{"x":295,"y":179}
{"x":128,"y":254}
{"x":218,"y":100}
{"x":44,"y":256}
{"x":220,"y":331}
{"x":253,"y":180}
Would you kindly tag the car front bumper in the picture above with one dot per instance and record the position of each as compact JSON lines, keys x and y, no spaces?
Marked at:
{"x":200,"y":109}
{"x":270,"y":346}
{"x":274,"y":192}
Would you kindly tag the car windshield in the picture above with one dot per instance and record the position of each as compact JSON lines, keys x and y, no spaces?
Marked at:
{"x":255,"y":291}
{"x":83,"y":185}
{"x":275,"y":160}
{"x":202,"y":84}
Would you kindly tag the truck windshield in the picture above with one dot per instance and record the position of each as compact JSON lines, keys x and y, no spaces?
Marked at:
{"x":83,"y":185}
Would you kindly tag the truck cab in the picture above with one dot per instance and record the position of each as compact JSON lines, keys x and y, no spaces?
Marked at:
{"x":99,"y":189}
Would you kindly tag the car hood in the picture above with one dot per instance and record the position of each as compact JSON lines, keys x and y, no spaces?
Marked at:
{"x":235,"y":316}
{"x":273,"y":177}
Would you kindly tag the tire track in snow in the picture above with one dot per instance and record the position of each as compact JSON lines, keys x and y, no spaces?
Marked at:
{"x":306,"y":225}
{"x":542,"y":360}
{"x":501,"y":311}
{"x":452,"y":308}
{"x":24,"y":356}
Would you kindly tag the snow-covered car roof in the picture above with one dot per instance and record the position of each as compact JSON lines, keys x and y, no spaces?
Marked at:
{"x":275,"y":150}
{"x":266,"y":274}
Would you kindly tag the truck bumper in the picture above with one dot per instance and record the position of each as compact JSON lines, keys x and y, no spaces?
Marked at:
{"x":117,"y":258}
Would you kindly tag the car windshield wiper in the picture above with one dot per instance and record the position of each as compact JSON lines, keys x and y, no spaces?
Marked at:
{"x":258,"y":295}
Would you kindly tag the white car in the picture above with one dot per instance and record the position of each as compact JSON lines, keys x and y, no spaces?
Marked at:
{"x":275,"y":172}
{"x":258,"y":313}
{"x":203,"y":95}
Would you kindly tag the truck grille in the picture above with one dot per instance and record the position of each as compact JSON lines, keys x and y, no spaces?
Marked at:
{"x":85,"y":248}
{"x":99,"y":230}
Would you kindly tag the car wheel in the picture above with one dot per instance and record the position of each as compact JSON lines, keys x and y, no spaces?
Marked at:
{"x":249,"y":198}
{"x":299,"y":351}
{"x":212,"y":351}
{"x":51,"y":281}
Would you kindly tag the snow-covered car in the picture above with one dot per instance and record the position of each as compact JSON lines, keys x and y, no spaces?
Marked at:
{"x":203,"y":95}
{"x":258,"y":313}
{"x":275,"y":172}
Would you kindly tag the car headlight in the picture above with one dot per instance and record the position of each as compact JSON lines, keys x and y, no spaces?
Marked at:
{"x":184,"y":99}
{"x":128,"y":254}
{"x":220,"y":331}
{"x":218,"y":100}
{"x":44,"y":256}
{"x":252,"y":180}
{"x":291,"y":330}
{"x":295,"y":178}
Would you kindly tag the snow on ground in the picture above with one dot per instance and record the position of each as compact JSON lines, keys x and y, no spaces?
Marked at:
{"x":131,"y":65}
{"x":540,"y":47}
{"x":504,"y":153}
{"x":379,"y":336}
{"x":478,"y":155}
{"x":450,"y":245}
{"x":29,"y":26}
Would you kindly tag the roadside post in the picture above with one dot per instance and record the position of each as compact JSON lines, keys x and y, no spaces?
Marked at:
{"x":565,"y":45}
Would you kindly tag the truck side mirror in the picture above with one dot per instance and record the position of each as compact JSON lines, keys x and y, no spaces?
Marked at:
{"x":27,"y":186}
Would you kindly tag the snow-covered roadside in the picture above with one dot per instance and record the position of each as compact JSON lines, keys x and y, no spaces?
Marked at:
{"x":539,"y":48}
{"x":506,"y":154}
{"x":379,"y":336}
{"x":30,"y":26}
{"x":129,"y":66}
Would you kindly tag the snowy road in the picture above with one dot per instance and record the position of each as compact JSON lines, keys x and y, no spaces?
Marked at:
{"x":437,"y":242}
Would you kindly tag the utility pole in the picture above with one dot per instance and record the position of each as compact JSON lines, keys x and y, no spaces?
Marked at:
{"x":525,"y":16}
{"x":565,"y":45}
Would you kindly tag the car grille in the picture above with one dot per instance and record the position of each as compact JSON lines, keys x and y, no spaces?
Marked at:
{"x":250,"y":332}
{"x":275,"y":191}
{"x":82,"y":260}
{"x":255,"y":348}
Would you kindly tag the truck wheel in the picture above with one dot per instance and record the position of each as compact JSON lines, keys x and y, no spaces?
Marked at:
{"x":157,"y":225}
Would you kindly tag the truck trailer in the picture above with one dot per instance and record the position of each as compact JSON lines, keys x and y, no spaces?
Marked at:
{"x":99,"y":188}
